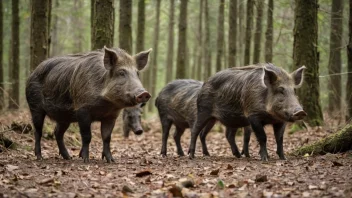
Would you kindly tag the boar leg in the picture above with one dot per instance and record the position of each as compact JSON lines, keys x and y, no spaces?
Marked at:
{"x":166,"y":125}
{"x":106,"y":129}
{"x":246,"y":139}
{"x":230,"y":136}
{"x":258,"y":129}
{"x":279,"y":130}
{"x":202,"y":119}
{"x":177,"y":137}
{"x":203,"y":135}
{"x":59,"y":136}
{"x":84,"y":122}
{"x":38,"y":121}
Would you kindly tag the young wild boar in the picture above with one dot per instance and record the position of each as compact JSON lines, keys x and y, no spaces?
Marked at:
{"x":255,"y":95}
{"x":132,"y":120}
{"x":176,"y":105}
{"x":84,"y":88}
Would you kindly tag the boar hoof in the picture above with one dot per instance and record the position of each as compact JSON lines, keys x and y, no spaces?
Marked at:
{"x":108,"y":157}
{"x":39,"y":158}
{"x":86,"y":160}
{"x":181,"y":153}
{"x":206,"y":154}
{"x":65,"y":155}
{"x":238,"y":155}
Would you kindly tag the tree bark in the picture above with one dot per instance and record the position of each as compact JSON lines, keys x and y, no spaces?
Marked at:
{"x":200,"y":51}
{"x":258,"y":32}
{"x":125,"y":27}
{"x":154,"y":72}
{"x":39,"y":44}
{"x":92,"y":28}
{"x":269,"y":33}
{"x":220,"y":39}
{"x":2,"y":100}
{"x":15,"y":72}
{"x":49,"y":26}
{"x":182,"y":42}
{"x":207,"y":46}
{"x":349,"y":66}
{"x":77,"y":22}
{"x":305,"y":53}
{"x":170,"y":47}
{"x":232,"y":33}
{"x":103,"y":24}
{"x":334,"y":86}
{"x":241,"y":36}
{"x":341,"y":141}
{"x":248,"y":35}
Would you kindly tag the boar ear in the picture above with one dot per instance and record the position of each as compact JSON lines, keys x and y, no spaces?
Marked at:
{"x":142,"y":59}
{"x":298,"y":76}
{"x":142,"y":104}
{"x":110,"y":58}
{"x":269,"y":77}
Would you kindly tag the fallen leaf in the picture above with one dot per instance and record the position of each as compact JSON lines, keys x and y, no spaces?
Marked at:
{"x":46,"y":181}
{"x":312,"y":187}
{"x":261,"y":178}
{"x":176,"y":191}
{"x":11,"y":168}
{"x":101,"y":172}
{"x":229,"y":167}
{"x":215,"y":172}
{"x":335,"y":163}
{"x":126,"y":189}
{"x":220,"y":184}
{"x":143,"y":173}
{"x":187,"y":183}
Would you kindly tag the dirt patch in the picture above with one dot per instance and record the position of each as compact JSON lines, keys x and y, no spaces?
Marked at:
{"x":139,"y":170}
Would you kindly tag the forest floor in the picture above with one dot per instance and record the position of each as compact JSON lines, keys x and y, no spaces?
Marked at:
{"x":139,"y":170}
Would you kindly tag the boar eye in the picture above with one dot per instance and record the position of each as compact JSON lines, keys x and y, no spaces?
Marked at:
{"x":122,"y":73}
{"x":281,"y":90}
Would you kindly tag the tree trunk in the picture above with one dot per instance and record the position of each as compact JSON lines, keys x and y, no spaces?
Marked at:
{"x":15,"y":72}
{"x":125,"y":28}
{"x":334,"y":86}
{"x":248,"y":35}
{"x":220,"y":40}
{"x":2,"y":101}
{"x":49,"y":26}
{"x":349,"y":76}
{"x":241,"y":35}
{"x":77,"y":22}
{"x":305,"y":53}
{"x":103,"y":24}
{"x":258,"y":32}
{"x":269,"y":33}
{"x":232,"y":33}
{"x":170,"y":47}
{"x":92,"y":28}
{"x":39,"y":44}
{"x":55,"y":48}
{"x":341,"y":141}
{"x":154,"y":72}
{"x":182,"y":42}
{"x":207,"y":46}
{"x":200,"y":51}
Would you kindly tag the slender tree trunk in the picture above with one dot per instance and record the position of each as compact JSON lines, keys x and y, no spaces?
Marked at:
{"x":15,"y":76}
{"x":207,"y":47}
{"x":232,"y":33}
{"x":2,"y":100}
{"x":103,"y":24}
{"x":269,"y":33}
{"x":241,"y":35}
{"x":92,"y":19}
{"x":248,"y":35}
{"x":305,"y":53}
{"x":258,"y":32}
{"x":182,"y":42}
{"x":220,"y":40}
{"x":39,"y":44}
{"x":55,"y":49}
{"x":170,"y":47}
{"x":154,"y":74}
{"x":349,"y":57}
{"x":77,"y":22}
{"x":334,"y":86}
{"x":49,"y":26}
{"x":200,"y":50}
{"x":125,"y":26}
{"x":140,"y":38}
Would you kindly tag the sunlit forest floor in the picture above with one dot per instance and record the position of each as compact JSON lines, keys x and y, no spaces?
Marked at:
{"x":139,"y":170}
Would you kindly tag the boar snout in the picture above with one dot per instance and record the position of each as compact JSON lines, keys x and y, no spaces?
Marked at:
{"x":138,"y":131}
{"x":143,"y":97}
{"x":298,"y":114}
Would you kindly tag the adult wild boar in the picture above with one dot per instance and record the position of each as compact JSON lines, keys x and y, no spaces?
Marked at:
{"x":176,"y":104}
{"x":84,"y":88}
{"x":254,"y":95}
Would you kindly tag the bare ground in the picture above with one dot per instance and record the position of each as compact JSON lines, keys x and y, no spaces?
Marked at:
{"x":139,"y":170}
